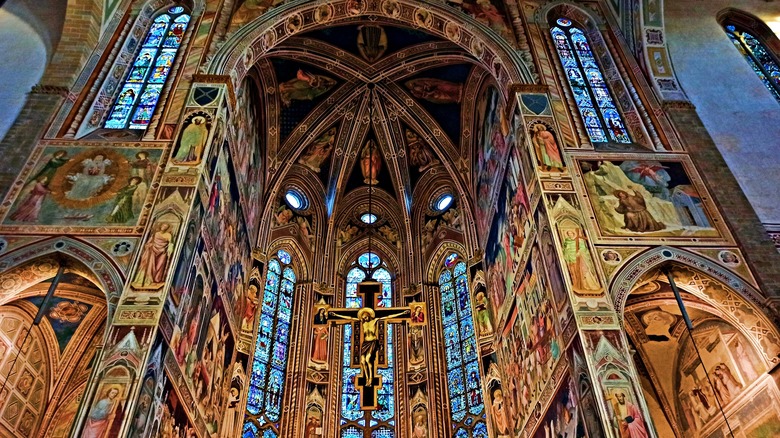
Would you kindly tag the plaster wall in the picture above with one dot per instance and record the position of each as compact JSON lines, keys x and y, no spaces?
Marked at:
{"x":738,"y":111}
{"x":22,"y":61}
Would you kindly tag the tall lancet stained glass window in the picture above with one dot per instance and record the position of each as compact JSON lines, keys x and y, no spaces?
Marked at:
{"x":141,"y":90}
{"x":467,"y":409}
{"x":354,"y":421}
{"x":594,"y":100}
{"x":266,"y":387}
{"x":760,"y":59}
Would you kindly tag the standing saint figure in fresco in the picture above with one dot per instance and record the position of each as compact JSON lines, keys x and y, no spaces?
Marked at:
{"x":320,"y":352}
{"x":484,"y":326}
{"x":547,"y":150}
{"x":192,"y":142}
{"x":91,"y":180}
{"x":578,"y":260}
{"x":319,"y":151}
{"x":499,"y":413}
{"x":629,"y":417}
{"x":29,"y":209}
{"x":635,"y":214}
{"x":420,"y":424}
{"x":370,"y":163}
{"x":58,"y":159}
{"x":123,"y":202}
{"x":98,"y":422}
{"x":154,"y":258}
{"x":416,"y":353}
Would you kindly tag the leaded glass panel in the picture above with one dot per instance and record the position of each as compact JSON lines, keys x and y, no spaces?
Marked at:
{"x":763,"y":63}
{"x":138,"y":97}
{"x":460,"y":347}
{"x":269,"y":363}
{"x":602,"y":120}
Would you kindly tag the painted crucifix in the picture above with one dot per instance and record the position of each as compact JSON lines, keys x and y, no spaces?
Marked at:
{"x":369,"y":334}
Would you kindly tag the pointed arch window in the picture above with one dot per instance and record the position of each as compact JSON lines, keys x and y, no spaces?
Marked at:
{"x":269,"y":365}
{"x":597,"y":107}
{"x":467,"y":409}
{"x":354,"y":421}
{"x":758,"y":56}
{"x":135,"y":104}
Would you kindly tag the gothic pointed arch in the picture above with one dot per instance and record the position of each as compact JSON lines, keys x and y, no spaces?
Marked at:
{"x":462,"y":353}
{"x":161,"y":29}
{"x":606,"y":111}
{"x":272,"y":348}
{"x":693,"y":365}
{"x":757,"y":43}
{"x":41,"y":258}
{"x":46,"y":343}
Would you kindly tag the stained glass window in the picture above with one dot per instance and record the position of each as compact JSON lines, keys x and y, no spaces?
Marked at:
{"x":461,"y":352}
{"x":354,"y":421}
{"x":594,"y":100}
{"x":138,"y":97}
{"x":266,"y":388}
{"x":758,"y":57}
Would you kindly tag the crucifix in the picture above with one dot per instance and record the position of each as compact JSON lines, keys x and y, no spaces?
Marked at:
{"x":369,"y":331}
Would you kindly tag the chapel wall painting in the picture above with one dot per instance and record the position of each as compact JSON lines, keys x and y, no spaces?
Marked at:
{"x":623,"y":404}
{"x":529,"y":347}
{"x":205,"y":313}
{"x":735,"y":369}
{"x":117,"y":379}
{"x":509,"y":235}
{"x":248,"y":147}
{"x":75,"y":187}
{"x":657,"y":199}
{"x":491,"y":131}
{"x":577,"y":256}
{"x":227,"y":238}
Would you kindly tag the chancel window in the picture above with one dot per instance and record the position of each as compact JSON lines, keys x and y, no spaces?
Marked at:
{"x":135,"y":104}
{"x":467,"y":409}
{"x":760,"y":59}
{"x":266,"y":387}
{"x":594,"y":100}
{"x":354,"y":421}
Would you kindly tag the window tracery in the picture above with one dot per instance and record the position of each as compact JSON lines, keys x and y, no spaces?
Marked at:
{"x":596,"y":105}
{"x":140,"y":92}
{"x":353,"y":420}
{"x":757,"y":55}
{"x":269,"y":365}
{"x":467,"y":409}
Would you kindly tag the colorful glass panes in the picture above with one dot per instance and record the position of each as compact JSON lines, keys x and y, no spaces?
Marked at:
{"x":352,"y":417}
{"x":449,"y":262}
{"x":369,"y":260}
{"x":460,"y":347}
{"x":758,"y":57}
{"x":599,"y":114}
{"x":269,"y":364}
{"x":284,"y":256}
{"x":138,"y":97}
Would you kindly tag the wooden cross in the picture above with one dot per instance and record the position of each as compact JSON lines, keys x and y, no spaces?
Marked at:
{"x":369,"y":338}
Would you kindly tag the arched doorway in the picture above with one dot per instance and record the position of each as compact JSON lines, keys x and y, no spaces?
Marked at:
{"x":49,"y":345}
{"x":713,"y":378}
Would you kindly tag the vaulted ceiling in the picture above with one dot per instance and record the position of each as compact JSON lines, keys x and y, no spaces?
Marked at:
{"x":323,"y":82}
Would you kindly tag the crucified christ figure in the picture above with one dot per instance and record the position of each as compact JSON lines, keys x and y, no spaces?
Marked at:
{"x":369,"y":344}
